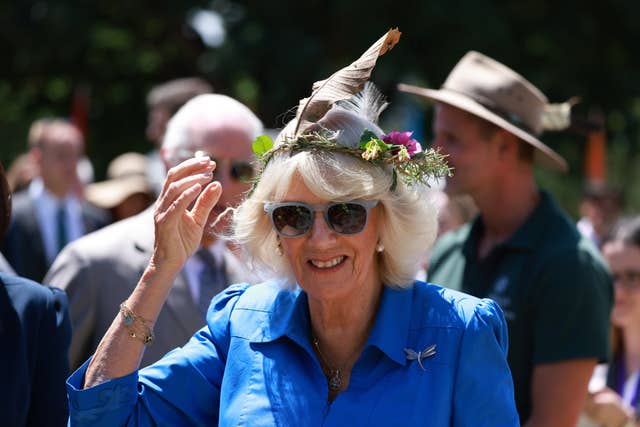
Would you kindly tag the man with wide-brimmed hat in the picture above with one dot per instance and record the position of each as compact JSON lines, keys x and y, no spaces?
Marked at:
{"x":521,"y":250}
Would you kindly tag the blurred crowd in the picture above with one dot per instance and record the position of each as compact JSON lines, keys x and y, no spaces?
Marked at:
{"x":91,"y":240}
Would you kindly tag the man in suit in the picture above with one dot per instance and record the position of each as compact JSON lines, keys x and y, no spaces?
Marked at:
{"x":50,"y":212}
{"x":35,"y":332}
{"x":100,"y":270}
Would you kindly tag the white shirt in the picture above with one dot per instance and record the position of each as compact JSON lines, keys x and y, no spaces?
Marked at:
{"x":630,"y":388}
{"x":46,"y":208}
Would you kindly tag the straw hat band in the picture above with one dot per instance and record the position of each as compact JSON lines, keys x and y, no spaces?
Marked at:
{"x":487,"y":103}
{"x":127,"y":175}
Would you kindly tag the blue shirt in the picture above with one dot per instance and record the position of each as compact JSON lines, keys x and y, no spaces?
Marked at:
{"x":253,"y":365}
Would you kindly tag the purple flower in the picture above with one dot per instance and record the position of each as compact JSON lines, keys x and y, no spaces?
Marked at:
{"x":403,"y":138}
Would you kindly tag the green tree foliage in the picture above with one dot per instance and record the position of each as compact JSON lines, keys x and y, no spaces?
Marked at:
{"x":117,"y":50}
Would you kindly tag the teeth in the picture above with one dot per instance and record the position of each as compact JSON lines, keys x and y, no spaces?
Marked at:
{"x":327,"y":264}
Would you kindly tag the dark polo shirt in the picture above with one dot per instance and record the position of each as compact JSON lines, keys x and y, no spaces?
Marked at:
{"x":551,"y":283}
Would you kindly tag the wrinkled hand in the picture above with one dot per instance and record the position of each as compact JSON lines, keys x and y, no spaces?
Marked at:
{"x":179,"y":222}
{"x":607,"y":408}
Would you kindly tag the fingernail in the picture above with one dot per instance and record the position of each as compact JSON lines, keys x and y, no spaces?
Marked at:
{"x":208,"y":174}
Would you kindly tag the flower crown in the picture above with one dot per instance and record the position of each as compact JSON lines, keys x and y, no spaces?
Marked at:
{"x":397,"y":149}
{"x":349,"y":89}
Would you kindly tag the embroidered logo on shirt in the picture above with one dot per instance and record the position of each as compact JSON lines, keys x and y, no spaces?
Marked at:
{"x":500,"y":286}
{"x":414,"y":355}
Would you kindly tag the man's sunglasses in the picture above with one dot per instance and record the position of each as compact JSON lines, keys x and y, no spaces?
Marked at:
{"x":294,"y":219}
{"x":238,"y":170}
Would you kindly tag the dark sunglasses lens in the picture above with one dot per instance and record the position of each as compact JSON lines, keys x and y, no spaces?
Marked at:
{"x":347,"y":218}
{"x":292,"y":220}
{"x":242,"y":171}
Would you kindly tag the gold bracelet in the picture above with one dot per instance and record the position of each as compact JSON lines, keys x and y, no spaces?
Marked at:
{"x":137,"y":326}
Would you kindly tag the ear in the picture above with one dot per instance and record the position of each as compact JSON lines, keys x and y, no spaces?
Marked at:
{"x":507,"y":143}
{"x":163,"y":156}
{"x":36,"y":156}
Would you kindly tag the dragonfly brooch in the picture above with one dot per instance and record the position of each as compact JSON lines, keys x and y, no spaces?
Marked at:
{"x":414,"y":355}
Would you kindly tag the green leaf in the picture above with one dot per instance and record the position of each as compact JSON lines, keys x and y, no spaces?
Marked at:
{"x":366,"y":136}
{"x":261,"y":145}
{"x":370,"y":142}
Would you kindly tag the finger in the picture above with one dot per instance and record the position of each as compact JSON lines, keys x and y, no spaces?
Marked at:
{"x":207,"y":200}
{"x":178,"y":207}
{"x":175,"y":189}
{"x":191,"y":166}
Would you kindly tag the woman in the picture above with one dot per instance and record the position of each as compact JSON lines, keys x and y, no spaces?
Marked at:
{"x":345,"y":336}
{"x":616,"y":402}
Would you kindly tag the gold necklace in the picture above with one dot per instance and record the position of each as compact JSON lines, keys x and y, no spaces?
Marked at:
{"x":335,"y":377}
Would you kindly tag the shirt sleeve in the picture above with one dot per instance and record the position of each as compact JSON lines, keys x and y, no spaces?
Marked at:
{"x":183,"y":388}
{"x":483,"y":393}
{"x":571,"y":313}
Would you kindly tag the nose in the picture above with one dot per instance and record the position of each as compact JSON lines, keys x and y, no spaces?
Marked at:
{"x":220,"y":173}
{"x":320,"y":233}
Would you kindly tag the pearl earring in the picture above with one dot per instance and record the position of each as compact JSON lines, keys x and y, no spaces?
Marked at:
{"x":279,"y":249}
{"x":379,"y":247}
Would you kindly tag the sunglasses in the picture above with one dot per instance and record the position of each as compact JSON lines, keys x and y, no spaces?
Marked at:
{"x":294,"y":219}
{"x":238,"y":170}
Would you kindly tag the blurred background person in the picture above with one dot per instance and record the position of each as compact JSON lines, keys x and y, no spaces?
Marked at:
{"x":100,"y":270}
{"x":35,"y":332}
{"x":522,"y":251}
{"x":163,"y":101}
{"x":50,"y":212}
{"x":614,"y":399}
{"x":126,"y":192}
{"x":453,"y":212}
{"x":5,"y":267}
{"x":21,"y":172}
{"x":600,"y":210}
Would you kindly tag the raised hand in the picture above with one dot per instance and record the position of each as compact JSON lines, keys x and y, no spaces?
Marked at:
{"x":182,"y":210}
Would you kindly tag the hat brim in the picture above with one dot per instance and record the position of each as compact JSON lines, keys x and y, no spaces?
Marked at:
{"x":109,"y":194}
{"x":544,"y":155}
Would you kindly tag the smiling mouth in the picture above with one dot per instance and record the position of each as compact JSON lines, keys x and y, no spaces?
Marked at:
{"x":327,"y":264}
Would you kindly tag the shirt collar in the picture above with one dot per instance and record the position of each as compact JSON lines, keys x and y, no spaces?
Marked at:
{"x":390,"y":330}
{"x":525,"y":236}
{"x":290,"y":317}
{"x":38,"y":192}
{"x":217,"y":249}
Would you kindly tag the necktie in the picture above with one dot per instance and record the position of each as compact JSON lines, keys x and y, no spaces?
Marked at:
{"x":212,"y":278}
{"x":61,"y":220}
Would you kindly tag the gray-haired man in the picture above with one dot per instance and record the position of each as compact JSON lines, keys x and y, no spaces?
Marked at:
{"x":99,"y":271}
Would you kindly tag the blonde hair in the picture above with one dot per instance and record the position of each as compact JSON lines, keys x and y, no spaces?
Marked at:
{"x":408,"y":220}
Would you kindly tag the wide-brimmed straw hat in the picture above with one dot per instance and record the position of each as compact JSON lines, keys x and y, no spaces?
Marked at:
{"x":496,"y":93}
{"x":126,"y":176}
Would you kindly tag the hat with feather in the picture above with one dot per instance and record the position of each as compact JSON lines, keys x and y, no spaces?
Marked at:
{"x":346,"y":94}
